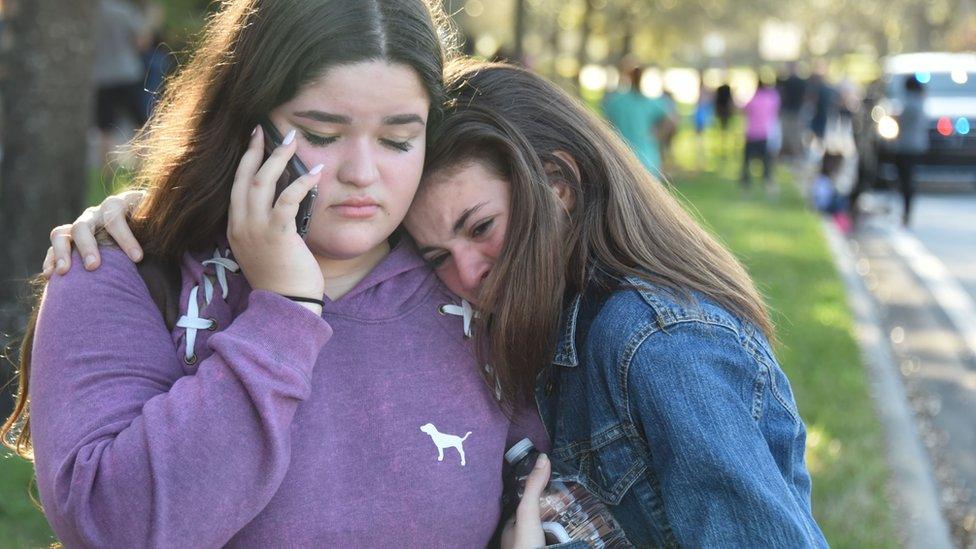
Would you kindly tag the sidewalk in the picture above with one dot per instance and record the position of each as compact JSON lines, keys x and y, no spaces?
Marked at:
{"x":913,"y":327}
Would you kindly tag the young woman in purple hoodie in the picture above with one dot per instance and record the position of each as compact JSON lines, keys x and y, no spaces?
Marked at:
{"x":312,"y":392}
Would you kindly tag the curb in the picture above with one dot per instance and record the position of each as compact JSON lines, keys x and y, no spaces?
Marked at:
{"x":921,"y":520}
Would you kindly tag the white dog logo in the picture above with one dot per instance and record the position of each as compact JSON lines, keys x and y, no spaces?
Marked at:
{"x":442,"y":441}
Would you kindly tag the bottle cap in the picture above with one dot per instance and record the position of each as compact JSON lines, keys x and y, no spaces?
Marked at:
{"x":518,"y":451}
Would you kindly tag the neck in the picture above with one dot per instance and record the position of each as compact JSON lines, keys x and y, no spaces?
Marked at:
{"x":342,"y":275}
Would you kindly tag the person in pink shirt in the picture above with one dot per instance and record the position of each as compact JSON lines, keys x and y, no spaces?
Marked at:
{"x":762,"y":114}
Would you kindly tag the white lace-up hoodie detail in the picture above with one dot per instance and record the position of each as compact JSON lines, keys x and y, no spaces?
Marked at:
{"x":192,"y":322}
{"x":465,"y":311}
{"x":468,"y":314}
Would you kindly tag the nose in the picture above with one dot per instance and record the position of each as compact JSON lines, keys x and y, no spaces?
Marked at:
{"x":472,"y":268}
{"x":358,"y":164}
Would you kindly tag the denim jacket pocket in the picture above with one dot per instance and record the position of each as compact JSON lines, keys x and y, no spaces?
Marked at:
{"x":606,"y":464}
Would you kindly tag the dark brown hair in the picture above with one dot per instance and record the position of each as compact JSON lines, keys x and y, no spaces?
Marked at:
{"x":623,"y":220}
{"x":253,"y":55}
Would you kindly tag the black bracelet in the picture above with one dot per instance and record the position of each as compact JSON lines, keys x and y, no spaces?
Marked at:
{"x":318,"y":302}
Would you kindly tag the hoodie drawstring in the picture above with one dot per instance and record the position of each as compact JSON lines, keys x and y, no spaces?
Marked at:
{"x":464,"y":310}
{"x":467,"y":313}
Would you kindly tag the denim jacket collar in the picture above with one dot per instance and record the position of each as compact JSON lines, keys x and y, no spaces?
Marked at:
{"x":566,"y":347}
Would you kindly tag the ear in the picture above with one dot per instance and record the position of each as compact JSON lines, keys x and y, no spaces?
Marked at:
{"x":559,"y":186}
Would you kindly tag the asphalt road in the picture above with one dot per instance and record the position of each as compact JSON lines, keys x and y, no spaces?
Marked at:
{"x":923,"y":280}
{"x":946,"y":225}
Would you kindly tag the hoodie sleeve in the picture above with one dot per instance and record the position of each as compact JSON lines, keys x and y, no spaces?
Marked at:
{"x":130,"y":451}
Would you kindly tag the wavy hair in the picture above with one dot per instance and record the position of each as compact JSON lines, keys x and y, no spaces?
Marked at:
{"x":623,"y":220}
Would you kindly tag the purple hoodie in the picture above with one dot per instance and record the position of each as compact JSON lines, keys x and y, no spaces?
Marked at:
{"x":761,"y":113}
{"x":287,"y":430}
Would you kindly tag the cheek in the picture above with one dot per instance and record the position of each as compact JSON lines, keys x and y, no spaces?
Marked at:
{"x":449,"y":276}
{"x":494,"y":246}
{"x":311,"y":156}
{"x":401,"y":177}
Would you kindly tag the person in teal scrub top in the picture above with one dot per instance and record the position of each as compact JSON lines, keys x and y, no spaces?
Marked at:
{"x":638,"y":118}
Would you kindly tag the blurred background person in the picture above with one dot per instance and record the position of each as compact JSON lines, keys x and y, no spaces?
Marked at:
{"x":761,"y":117}
{"x":827,"y":197}
{"x":121,"y":34}
{"x":820,"y":103}
{"x":157,"y":59}
{"x":667,"y":129}
{"x":864,"y":128}
{"x":639,"y":120}
{"x":702,"y":118}
{"x":912,"y":141}
{"x":792,"y":89}
{"x":724,"y":107}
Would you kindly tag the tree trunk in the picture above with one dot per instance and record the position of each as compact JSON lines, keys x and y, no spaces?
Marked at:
{"x":585,"y":28}
{"x":47,"y":106}
{"x":520,"y":15}
{"x":554,"y":33}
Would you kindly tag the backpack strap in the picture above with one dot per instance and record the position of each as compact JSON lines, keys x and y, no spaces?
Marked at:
{"x":163,"y":279}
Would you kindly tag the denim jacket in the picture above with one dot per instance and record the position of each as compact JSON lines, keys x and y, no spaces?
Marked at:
{"x":676,"y":414}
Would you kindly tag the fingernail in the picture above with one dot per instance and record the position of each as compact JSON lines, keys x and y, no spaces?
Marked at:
{"x":541,"y":461}
{"x":136,"y":255}
{"x":60,"y":264}
{"x":316,"y":169}
{"x":89,"y":260}
{"x":255,"y":131}
{"x":289,"y":138}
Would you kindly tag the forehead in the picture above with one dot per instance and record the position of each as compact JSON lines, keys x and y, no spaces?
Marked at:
{"x":447,"y":194}
{"x":366,"y":89}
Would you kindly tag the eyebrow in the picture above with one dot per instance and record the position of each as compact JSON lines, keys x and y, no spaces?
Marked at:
{"x":458,"y":225}
{"x":403,"y":119}
{"x":327,"y":117}
{"x":330,"y":118}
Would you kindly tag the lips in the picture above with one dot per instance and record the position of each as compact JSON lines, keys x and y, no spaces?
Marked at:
{"x":356,"y":207}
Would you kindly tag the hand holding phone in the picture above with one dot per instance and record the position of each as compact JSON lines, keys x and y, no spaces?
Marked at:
{"x":295,"y":169}
{"x":261,"y":228}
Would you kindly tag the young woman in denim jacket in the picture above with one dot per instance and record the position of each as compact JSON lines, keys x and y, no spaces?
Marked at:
{"x":660,"y":389}
{"x":657,"y":385}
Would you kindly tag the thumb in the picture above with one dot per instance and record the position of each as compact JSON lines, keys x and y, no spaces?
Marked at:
{"x":535,"y":484}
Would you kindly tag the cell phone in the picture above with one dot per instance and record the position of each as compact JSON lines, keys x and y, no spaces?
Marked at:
{"x":293,"y":170}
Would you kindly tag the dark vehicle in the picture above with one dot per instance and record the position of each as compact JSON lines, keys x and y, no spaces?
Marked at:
{"x":949,"y":80}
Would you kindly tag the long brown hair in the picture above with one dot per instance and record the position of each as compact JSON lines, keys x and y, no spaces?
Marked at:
{"x":253,"y":55}
{"x":623,"y":220}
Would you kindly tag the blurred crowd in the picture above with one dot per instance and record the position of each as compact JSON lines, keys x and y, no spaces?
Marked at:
{"x":808,"y":121}
{"x":811,"y":123}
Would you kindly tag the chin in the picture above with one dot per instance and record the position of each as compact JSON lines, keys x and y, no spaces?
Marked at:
{"x":472,"y":299}
{"x":345,"y":244}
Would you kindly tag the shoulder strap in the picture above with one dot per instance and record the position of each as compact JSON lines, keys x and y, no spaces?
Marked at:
{"x":163,"y":280}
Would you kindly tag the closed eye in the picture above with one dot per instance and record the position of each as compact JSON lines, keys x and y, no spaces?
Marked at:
{"x":436,"y":261}
{"x":482,"y":228}
{"x":319,"y":140}
{"x":402,"y":146}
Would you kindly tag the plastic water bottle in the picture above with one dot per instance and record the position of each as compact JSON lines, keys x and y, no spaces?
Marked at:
{"x":569,"y":512}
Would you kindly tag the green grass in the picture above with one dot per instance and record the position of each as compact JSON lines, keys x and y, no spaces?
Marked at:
{"x":782,"y":246}
{"x":102,"y":183}
{"x":21,"y":524}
